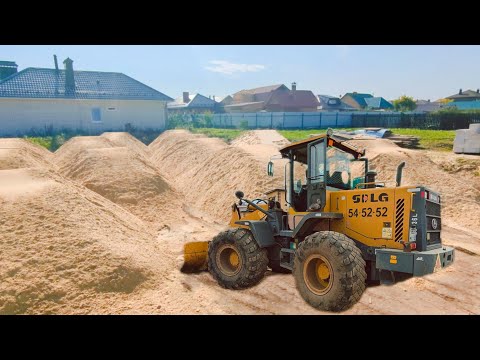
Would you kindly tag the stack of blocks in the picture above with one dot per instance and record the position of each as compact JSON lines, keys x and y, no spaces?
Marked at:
{"x":467,"y":141}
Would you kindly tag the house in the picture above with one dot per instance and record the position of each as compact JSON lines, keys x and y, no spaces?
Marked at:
{"x":275,"y":98}
{"x":332,"y":103}
{"x":466,"y":100}
{"x":227,"y":100}
{"x":361,"y":101}
{"x":468,"y":95}
{"x":426,"y":106}
{"x":194,"y":103}
{"x":378,"y":103}
{"x":37,"y":99}
{"x":356,"y":100}
{"x":466,"y":105}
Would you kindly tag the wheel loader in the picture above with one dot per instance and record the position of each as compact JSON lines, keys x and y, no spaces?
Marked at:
{"x":334,"y":232}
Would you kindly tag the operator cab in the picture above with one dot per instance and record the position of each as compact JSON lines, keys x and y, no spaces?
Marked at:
{"x":315,"y":165}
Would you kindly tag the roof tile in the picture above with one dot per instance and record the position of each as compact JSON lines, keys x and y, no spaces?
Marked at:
{"x":50,"y":83}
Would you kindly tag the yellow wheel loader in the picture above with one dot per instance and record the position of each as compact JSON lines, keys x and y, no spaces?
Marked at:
{"x":334,"y":232}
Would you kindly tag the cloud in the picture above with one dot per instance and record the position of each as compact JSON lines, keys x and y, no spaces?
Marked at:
{"x":226,"y":67}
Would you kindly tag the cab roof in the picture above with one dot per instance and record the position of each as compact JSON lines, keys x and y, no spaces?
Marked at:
{"x":299,"y":148}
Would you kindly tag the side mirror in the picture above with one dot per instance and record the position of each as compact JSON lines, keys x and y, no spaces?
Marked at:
{"x":270,"y":168}
{"x":239,"y":194}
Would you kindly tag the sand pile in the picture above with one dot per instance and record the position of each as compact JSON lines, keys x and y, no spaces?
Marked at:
{"x":65,"y":249}
{"x":67,"y":153}
{"x":208,"y":171}
{"x":461,"y":200}
{"x":124,"y":177}
{"x":127,"y":140}
{"x":21,"y":153}
{"x":261,"y":137}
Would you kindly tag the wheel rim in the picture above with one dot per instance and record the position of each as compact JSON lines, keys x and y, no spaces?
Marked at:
{"x":229,"y":260}
{"x":318,"y":274}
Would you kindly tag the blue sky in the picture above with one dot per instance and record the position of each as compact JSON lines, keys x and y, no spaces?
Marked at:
{"x":424,"y":72}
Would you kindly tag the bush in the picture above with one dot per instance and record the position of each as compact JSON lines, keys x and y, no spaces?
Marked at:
{"x":243,"y":125}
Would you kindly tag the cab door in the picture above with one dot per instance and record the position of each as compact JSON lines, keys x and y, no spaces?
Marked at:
{"x":316,"y":188}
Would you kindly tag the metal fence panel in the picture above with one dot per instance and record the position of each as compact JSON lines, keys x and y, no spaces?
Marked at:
{"x":324,"y":119}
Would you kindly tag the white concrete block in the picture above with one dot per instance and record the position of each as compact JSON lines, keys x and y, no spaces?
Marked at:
{"x":475,"y":128}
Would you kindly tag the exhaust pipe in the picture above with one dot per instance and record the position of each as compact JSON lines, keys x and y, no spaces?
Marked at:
{"x":399,"y":172}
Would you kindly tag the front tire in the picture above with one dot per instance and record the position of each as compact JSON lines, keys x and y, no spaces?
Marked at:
{"x":329,"y":271}
{"x":235,"y":260}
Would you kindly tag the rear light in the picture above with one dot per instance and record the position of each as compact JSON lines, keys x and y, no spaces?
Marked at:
{"x":422,"y":194}
{"x":413,"y":246}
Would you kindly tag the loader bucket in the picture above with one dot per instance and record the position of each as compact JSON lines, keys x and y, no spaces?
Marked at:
{"x":195,"y":256}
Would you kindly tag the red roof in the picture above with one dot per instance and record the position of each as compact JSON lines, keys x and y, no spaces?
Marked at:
{"x":297,"y":98}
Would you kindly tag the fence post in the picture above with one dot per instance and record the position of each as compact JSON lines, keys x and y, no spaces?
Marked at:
{"x":256,"y":120}
{"x":302,"y":120}
{"x":320,"y":121}
{"x":283,"y":122}
{"x":336,"y":120}
{"x":271,"y":120}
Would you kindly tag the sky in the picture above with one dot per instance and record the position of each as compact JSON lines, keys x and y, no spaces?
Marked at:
{"x":421,"y":71}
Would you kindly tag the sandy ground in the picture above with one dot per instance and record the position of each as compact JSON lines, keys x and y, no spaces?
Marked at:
{"x":99,"y":226}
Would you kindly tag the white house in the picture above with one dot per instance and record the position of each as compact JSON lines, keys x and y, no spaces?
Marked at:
{"x":90,"y":101}
{"x":192,"y":103}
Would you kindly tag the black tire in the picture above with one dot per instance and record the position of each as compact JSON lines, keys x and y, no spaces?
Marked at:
{"x":252,"y":260}
{"x":342,"y":283}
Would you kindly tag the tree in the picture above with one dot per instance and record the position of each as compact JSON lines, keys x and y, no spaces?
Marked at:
{"x":404,"y":103}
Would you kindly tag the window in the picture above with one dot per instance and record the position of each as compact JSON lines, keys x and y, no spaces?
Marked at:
{"x":338,"y":168}
{"x":317,"y":162}
{"x":96,"y":115}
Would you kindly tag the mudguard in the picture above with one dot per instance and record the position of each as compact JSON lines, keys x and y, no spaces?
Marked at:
{"x":261,"y":230}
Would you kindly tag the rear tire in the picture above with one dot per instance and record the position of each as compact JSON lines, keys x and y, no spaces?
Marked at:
{"x":329,"y":271}
{"x":235,"y":260}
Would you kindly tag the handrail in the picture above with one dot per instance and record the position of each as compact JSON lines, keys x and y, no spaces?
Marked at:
{"x":384,"y":182}
{"x":369,"y":183}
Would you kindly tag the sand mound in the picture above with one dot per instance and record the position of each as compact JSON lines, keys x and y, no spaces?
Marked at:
{"x":127,"y":140}
{"x":208,"y":171}
{"x":21,"y":153}
{"x":124,"y":177}
{"x":66,"y":154}
{"x":261,"y":137}
{"x":65,"y":249}
{"x":461,"y":200}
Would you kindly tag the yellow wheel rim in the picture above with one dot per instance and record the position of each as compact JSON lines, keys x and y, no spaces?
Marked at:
{"x":322,"y":271}
{"x":318,"y":274}
{"x":228,"y":259}
{"x":234,"y":260}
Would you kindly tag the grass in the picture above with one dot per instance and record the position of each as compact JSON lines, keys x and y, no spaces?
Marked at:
{"x":45,"y":141}
{"x":441,"y":140}
{"x":429,"y":139}
{"x":226,"y":134}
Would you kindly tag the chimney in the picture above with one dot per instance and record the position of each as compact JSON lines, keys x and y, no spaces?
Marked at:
{"x":294,"y":86}
{"x":69,"y":76}
{"x":56,"y":62}
{"x":7,"y":68}
{"x":186,"y":98}
{"x":460,"y":92}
